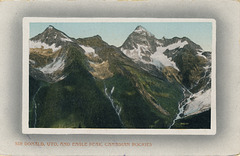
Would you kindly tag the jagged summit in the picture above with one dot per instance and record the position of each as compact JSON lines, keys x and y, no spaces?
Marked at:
{"x":140,"y":28}
{"x":51,"y":36}
{"x":96,"y":37}
{"x":140,"y":44}
{"x":142,"y":31}
{"x":50,"y":27}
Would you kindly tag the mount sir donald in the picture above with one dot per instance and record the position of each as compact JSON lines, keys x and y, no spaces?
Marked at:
{"x":144,"y":83}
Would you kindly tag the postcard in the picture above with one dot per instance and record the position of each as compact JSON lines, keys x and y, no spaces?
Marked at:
{"x":149,"y":76}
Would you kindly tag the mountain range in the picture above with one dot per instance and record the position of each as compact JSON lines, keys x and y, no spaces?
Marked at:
{"x":144,"y":83}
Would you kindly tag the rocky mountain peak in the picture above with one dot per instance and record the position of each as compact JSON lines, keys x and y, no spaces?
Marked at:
{"x":140,"y":44}
{"x":98,"y":36}
{"x":51,"y":36}
{"x":140,"y":28}
{"x":140,"y":36}
{"x":51,"y":30}
{"x":142,"y":31}
{"x":50,"y":27}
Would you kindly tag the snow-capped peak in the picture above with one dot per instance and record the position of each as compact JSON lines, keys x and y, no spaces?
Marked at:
{"x":50,"y":27}
{"x":141,"y":30}
{"x":52,"y":35}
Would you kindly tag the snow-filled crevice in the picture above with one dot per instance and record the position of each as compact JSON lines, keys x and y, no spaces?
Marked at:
{"x":57,"y":65}
{"x":65,"y":38}
{"x":35,"y":106}
{"x":115,"y":107}
{"x":181,"y":105}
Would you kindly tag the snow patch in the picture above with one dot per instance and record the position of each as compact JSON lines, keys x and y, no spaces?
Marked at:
{"x":159,"y":43}
{"x":91,"y":62}
{"x":38,"y":44}
{"x":199,"y":53}
{"x":207,"y":67}
{"x":133,"y":54}
{"x":159,"y":59}
{"x":112,"y":90}
{"x":65,"y":38}
{"x":139,"y":29}
{"x":136,"y":54}
{"x":32,"y":61}
{"x":62,"y":77}
{"x":50,"y":27}
{"x":89,"y":50}
{"x":200,"y":103}
{"x":178,"y":44}
{"x":142,"y":30}
{"x":57,"y":64}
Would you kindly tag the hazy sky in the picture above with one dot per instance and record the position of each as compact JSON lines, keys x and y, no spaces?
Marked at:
{"x":117,"y":33}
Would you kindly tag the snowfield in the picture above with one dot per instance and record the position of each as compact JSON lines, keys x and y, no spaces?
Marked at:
{"x":56,"y":65}
{"x":178,"y":44}
{"x":158,"y":58}
{"x":199,"y":53}
{"x":200,"y":103}
{"x":66,"y":39}
{"x":136,"y":54}
{"x":38,"y":44}
{"x":89,"y":50}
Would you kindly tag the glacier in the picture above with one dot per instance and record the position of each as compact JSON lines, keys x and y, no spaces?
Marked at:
{"x":200,"y":103}
{"x":158,"y":58}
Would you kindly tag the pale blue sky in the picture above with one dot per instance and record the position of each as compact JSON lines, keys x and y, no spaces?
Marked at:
{"x":117,"y":33}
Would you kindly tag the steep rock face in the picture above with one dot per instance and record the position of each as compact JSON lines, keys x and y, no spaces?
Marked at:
{"x":190,"y":60}
{"x":49,"y":55}
{"x":186,"y":57}
{"x":50,"y":37}
{"x":178,"y":59}
{"x":140,"y":44}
